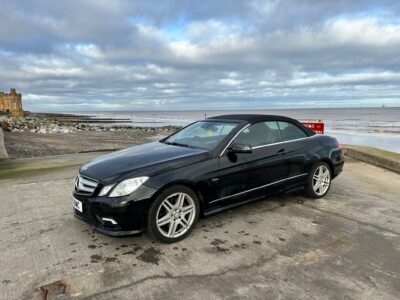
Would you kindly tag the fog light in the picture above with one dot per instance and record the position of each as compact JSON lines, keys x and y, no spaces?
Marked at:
{"x":112,"y":221}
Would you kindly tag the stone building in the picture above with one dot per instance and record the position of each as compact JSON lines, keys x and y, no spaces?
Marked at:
{"x":11,"y":103}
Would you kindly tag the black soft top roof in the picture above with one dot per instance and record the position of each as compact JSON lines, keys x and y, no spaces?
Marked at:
{"x":255,"y":118}
{"x":252,"y":118}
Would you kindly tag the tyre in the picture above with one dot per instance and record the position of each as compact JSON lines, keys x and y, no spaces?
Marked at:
{"x":173,"y":214}
{"x":319,"y":180}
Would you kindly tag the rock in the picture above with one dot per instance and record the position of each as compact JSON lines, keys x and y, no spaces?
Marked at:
{"x":65,"y":130}
{"x":45,"y":124}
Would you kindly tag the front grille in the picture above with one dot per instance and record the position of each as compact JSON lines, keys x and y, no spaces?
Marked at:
{"x":85,"y":185}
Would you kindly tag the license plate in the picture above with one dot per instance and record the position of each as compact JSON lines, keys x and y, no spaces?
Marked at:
{"x":77,"y":204}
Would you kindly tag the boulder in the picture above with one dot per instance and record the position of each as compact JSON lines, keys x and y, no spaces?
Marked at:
{"x":3,"y":151}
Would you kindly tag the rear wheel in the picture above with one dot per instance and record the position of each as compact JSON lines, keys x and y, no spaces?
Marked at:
{"x":319,"y":180}
{"x":173,"y":214}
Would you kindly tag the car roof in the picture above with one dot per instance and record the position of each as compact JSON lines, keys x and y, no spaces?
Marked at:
{"x":252,"y":118}
{"x":256,"y":118}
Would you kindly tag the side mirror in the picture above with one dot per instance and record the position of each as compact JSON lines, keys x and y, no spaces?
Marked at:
{"x":240,"y":148}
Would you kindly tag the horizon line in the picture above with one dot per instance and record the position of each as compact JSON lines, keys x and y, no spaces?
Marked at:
{"x":234,"y":109}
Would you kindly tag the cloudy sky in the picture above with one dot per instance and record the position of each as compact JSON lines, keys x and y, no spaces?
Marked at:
{"x":86,"y":55}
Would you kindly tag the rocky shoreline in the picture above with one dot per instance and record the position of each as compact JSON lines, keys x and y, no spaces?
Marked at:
{"x":64,"y":124}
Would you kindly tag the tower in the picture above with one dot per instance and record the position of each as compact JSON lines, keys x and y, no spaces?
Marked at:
{"x":11,"y":103}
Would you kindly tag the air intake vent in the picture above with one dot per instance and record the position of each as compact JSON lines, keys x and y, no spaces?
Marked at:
{"x":85,"y":185}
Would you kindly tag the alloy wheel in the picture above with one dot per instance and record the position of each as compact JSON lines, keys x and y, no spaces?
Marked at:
{"x":321,"y":180}
{"x":175,"y":215}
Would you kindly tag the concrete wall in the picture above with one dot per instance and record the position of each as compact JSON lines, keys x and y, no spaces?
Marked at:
{"x":381,"y":158}
{"x":3,"y":151}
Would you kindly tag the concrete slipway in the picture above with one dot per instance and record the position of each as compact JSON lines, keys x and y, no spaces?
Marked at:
{"x":346,"y":245}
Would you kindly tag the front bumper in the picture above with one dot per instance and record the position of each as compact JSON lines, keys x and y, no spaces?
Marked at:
{"x":108,"y":230}
{"x":113,"y":216}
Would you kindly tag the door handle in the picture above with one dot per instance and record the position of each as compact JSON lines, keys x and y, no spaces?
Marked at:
{"x":281,"y":151}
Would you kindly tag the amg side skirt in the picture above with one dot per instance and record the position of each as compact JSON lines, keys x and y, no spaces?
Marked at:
{"x":259,"y":187}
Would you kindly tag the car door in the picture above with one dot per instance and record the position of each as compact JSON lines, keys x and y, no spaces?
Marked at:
{"x":233,"y":176}
{"x":295,"y":143}
{"x":266,"y":165}
{"x":247,"y":175}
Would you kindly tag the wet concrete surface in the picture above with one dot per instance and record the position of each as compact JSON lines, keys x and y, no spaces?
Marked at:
{"x":345,"y":246}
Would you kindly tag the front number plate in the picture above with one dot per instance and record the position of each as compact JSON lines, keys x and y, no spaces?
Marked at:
{"x":77,"y":204}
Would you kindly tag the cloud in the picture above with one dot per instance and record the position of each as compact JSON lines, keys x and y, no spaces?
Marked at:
{"x":99,"y":55}
{"x":229,"y":82}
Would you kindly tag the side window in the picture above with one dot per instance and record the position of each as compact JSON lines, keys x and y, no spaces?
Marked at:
{"x":259,"y":134}
{"x":290,"y":131}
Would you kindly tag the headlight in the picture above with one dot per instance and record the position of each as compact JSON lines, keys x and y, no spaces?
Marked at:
{"x":105,"y":190}
{"x":127,"y":186}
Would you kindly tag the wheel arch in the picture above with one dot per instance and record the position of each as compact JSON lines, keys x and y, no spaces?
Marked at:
{"x":188,"y":184}
{"x":321,"y":157}
{"x":330,"y":164}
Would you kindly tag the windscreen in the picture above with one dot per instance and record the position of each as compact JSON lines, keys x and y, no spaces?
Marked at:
{"x":203,"y":134}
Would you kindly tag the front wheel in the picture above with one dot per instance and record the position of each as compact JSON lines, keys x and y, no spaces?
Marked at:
{"x":173,"y":214}
{"x":319,"y":180}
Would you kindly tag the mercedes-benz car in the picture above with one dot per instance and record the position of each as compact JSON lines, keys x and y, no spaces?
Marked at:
{"x":208,"y":166}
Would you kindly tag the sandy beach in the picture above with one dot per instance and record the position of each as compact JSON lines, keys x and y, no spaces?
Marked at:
{"x":39,"y":135}
{"x":27,"y":144}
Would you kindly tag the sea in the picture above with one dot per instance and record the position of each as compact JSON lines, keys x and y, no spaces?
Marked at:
{"x":375,"y":127}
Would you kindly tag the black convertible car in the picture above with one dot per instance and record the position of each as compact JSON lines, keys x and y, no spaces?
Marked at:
{"x":206,"y":167}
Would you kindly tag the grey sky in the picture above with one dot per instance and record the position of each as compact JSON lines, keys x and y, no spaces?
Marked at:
{"x":158,"y":55}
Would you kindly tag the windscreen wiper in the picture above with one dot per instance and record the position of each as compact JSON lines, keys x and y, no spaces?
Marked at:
{"x":178,"y":144}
